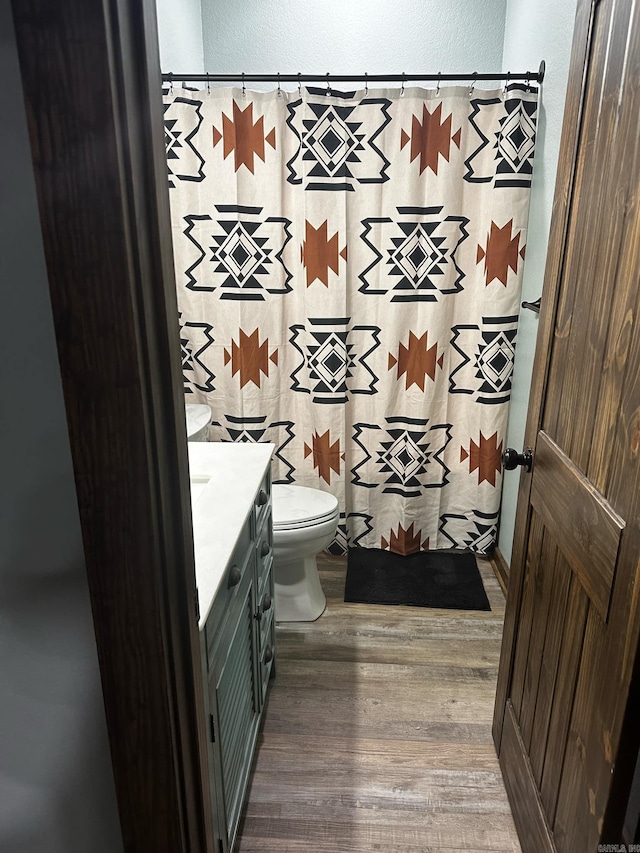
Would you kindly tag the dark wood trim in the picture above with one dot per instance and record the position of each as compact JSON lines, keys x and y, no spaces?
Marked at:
{"x":500,"y":569}
{"x":91,"y":77}
{"x":571,"y":126}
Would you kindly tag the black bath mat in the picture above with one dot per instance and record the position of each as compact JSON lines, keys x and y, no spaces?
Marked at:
{"x":427,"y":579}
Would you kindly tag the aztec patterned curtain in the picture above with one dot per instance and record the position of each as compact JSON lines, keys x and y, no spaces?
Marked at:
{"x":348,"y":269}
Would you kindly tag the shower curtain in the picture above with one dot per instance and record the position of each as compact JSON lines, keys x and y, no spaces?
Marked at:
{"x":348,"y":269}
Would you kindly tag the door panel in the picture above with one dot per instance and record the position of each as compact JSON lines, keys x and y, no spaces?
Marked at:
{"x":578,"y":517}
{"x":522,"y":788}
{"x":573,"y":610}
{"x":532,"y":574}
{"x":540,"y":580}
{"x":573,"y":379}
{"x":570,"y":651}
{"x":549,"y":668}
{"x":542,"y":661}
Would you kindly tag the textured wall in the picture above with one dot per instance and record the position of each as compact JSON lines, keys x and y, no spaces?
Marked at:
{"x":180,"y":35}
{"x":56,"y":783}
{"x":535,"y":30}
{"x":352,"y":36}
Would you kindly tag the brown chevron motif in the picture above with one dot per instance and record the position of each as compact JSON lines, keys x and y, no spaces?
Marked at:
{"x":417,"y":361}
{"x":484,"y":457}
{"x":250,"y":358}
{"x":404,"y":541}
{"x":326,"y":456}
{"x":243,"y":137}
{"x":319,"y":254}
{"x":501,"y":253}
{"x":430,"y":139}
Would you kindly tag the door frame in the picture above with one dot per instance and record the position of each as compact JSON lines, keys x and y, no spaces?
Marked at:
{"x":92,"y":86}
{"x":562,"y":207}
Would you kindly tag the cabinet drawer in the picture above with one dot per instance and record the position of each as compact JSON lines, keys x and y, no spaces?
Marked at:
{"x":224,"y":604}
{"x":262,"y":503}
{"x":264,"y":549}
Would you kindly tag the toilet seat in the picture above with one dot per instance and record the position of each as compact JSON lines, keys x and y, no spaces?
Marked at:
{"x":296,"y":507}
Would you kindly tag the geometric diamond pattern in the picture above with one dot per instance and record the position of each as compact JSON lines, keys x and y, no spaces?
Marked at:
{"x":405,"y":457}
{"x":240,"y":252}
{"x":482,"y":359}
{"x":422,"y":248}
{"x":348,"y":269}
{"x":495,"y":361}
{"x":334,"y":359}
{"x":337,"y":147}
{"x":515,"y":142}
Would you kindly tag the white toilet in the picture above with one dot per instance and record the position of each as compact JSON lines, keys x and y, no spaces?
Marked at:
{"x":304,"y":522}
{"x":198,"y":420}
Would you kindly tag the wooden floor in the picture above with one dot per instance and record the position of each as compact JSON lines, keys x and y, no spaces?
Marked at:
{"x":377,"y":734}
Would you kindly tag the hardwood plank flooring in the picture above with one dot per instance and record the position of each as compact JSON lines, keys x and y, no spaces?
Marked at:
{"x":377,"y":732}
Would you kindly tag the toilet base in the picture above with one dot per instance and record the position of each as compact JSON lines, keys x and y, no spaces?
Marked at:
{"x":299,"y":595}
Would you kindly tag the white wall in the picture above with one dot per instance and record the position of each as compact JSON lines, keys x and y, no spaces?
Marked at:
{"x":352,"y":36}
{"x":180,"y":35}
{"x":535,"y":30}
{"x":56,"y":783}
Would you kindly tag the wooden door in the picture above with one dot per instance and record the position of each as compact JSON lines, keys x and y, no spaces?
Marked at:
{"x":564,"y":723}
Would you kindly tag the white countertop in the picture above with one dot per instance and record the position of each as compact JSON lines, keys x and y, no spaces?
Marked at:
{"x":224,"y":480}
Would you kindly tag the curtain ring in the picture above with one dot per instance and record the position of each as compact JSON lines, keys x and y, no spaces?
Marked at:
{"x":527,"y":81}
{"x":299,"y":84}
{"x":506,"y":84}
{"x":208,"y":85}
{"x":328,"y":92}
{"x":244,"y":88}
{"x":366,"y":84}
{"x":171,"y":83}
{"x":438,"y":84}
{"x":402,"y":87}
{"x":279,"y":89}
{"x":473,"y":83}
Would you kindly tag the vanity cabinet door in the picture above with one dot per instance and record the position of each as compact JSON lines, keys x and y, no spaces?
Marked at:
{"x":234,"y":695}
{"x":264,"y":551}
{"x":262,"y":503}
{"x":238,"y":657}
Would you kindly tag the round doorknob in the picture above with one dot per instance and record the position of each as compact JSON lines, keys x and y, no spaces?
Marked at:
{"x":511,"y":459}
{"x":268,"y":654}
{"x":264,"y":549}
{"x":235,"y":576}
{"x":266,"y":602}
{"x":263,"y":497}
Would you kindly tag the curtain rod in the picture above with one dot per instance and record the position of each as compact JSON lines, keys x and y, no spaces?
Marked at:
{"x":528,"y":76}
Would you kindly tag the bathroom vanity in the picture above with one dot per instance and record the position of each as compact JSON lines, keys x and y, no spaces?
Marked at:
{"x":233,"y":540}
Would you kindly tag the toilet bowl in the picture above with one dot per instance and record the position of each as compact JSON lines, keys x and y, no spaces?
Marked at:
{"x":198,"y":419}
{"x":304,"y":522}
